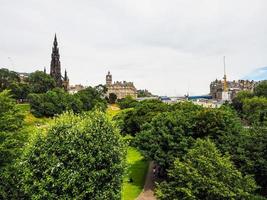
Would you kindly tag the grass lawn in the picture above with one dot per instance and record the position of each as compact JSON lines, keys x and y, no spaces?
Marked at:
{"x":113,"y":110}
{"x":137,"y":169}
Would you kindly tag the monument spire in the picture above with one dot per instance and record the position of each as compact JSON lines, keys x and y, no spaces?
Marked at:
{"x":55,"y":68}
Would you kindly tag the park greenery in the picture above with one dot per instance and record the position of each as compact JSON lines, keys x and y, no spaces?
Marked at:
{"x":75,"y":146}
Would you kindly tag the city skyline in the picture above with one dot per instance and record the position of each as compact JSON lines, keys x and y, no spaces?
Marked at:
{"x":169,"y":49}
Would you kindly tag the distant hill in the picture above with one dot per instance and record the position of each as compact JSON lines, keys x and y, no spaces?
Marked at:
{"x":257,"y":75}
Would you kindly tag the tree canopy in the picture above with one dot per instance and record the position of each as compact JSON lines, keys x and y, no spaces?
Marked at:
{"x":81,"y":157}
{"x":41,"y":82}
{"x":261,"y":89}
{"x":7,"y":78}
{"x":204,"y":173}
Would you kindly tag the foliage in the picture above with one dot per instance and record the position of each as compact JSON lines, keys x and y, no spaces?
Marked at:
{"x":166,"y":137}
{"x":131,"y":120}
{"x":127,"y":102}
{"x":12,"y":139}
{"x":252,"y":155}
{"x":255,"y":110}
{"x":112,"y":98}
{"x":261,"y":89}
{"x":20,"y":91}
{"x":136,"y":170}
{"x":7,"y":78}
{"x":41,"y":82}
{"x":10,"y":117}
{"x":238,"y":101}
{"x":144,"y":93}
{"x":91,"y":98}
{"x":57,"y":101}
{"x":53,"y":102}
{"x":170,"y":134}
{"x":82,"y":157}
{"x":204,"y":173}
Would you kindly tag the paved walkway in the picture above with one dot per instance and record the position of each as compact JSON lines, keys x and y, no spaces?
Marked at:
{"x":148,"y":191}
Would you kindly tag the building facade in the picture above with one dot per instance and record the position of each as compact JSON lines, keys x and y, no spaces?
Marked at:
{"x":233,"y":87}
{"x":121,"y":89}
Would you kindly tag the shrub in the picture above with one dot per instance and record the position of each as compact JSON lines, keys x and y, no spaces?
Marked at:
{"x":82,"y":157}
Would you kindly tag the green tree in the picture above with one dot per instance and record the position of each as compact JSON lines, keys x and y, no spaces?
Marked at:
{"x":82,"y":157}
{"x":251,"y":155}
{"x":11,"y":120}
{"x":144,"y":93}
{"x":41,"y":82}
{"x":132,"y":120}
{"x":167,"y":136}
{"x":238,"y":101}
{"x":170,"y":134}
{"x":127,"y":102}
{"x":112,"y":98}
{"x":20,"y":91}
{"x":10,"y":116}
{"x":7,"y":78}
{"x":54,"y":102}
{"x":91,"y":98}
{"x":255,"y":110}
{"x":204,"y":173}
{"x":261,"y":89}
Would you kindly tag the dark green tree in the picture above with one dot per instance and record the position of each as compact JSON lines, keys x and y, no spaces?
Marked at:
{"x":19,"y":90}
{"x":251,"y":155}
{"x":10,"y":116}
{"x":133,"y":119}
{"x":11,"y":120}
{"x":112,"y":98}
{"x":204,"y":173}
{"x":54,"y":102}
{"x":41,"y":82}
{"x":255,"y":110}
{"x":144,"y":93}
{"x":91,"y":98}
{"x":127,"y":102}
{"x":7,"y":78}
{"x":238,"y":101}
{"x":167,"y":136}
{"x":261,"y":89}
{"x":82,"y":157}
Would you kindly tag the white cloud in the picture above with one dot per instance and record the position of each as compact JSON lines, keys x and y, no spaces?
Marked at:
{"x":164,"y":46}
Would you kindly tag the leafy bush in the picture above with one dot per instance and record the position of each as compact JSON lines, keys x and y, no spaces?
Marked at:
{"x":132,"y":120}
{"x":82,"y":157}
{"x":57,"y":101}
{"x":255,"y":110}
{"x":41,"y":82}
{"x":261,"y":89}
{"x":170,"y":134}
{"x":127,"y":102}
{"x":204,"y":173}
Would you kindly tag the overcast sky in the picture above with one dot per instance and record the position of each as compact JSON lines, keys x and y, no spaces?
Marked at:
{"x":167,"y":46}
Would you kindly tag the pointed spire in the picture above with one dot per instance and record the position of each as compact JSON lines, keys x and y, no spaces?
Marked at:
{"x":65,"y":76}
{"x":45,"y":70}
{"x":55,"y":40}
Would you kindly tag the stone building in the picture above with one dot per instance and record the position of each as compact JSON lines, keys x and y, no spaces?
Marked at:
{"x":75,"y":88}
{"x":233,"y":87}
{"x":121,"y":89}
{"x":55,"y":68}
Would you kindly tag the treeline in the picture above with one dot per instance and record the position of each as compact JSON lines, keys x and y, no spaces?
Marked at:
{"x":45,"y":99}
{"x":76,"y":157}
{"x":251,"y":106}
{"x":37,"y":82}
{"x":202,"y":153}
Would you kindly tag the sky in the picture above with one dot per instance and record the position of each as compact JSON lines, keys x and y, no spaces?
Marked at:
{"x":169,"y":47}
